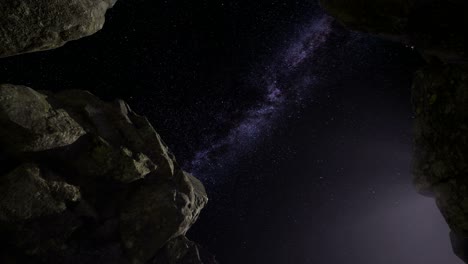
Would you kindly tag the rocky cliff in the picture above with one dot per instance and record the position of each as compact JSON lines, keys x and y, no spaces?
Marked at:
{"x":437,"y":29}
{"x":86,"y":181}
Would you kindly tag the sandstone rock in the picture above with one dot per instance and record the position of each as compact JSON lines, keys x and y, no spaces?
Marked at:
{"x":29,"y":25}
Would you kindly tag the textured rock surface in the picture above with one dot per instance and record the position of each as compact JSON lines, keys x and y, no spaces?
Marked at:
{"x":85,"y":181}
{"x":24,"y":194}
{"x":31,"y":124}
{"x":167,"y":210}
{"x":436,"y":28}
{"x":30,"y":25}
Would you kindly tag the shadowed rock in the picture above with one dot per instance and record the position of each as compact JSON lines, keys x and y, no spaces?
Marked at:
{"x":166,"y":210}
{"x":440,"y":98}
{"x":86,"y":181}
{"x":437,"y":29}
{"x":180,"y":250}
{"x":31,"y":25}
{"x":24,"y":195}
{"x":460,"y":245}
{"x":31,"y":124}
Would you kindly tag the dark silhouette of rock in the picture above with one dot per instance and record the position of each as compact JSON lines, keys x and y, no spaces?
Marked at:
{"x":440,"y":99}
{"x":85,"y":181}
{"x":437,"y":29}
{"x":460,"y":245}
{"x":180,"y":250}
{"x":30,"y":25}
{"x":25,"y":194}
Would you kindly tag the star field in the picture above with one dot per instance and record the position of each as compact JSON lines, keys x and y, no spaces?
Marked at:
{"x":282,"y":87}
{"x":300,"y":129}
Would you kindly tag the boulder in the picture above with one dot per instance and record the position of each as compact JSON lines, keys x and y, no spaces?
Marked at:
{"x":31,"y":124}
{"x":29,"y":25}
{"x":167,"y":210}
{"x":87,"y":181}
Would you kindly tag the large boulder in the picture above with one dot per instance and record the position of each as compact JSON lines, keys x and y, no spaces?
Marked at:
{"x":86,"y":181}
{"x":167,"y":210}
{"x":30,"y":25}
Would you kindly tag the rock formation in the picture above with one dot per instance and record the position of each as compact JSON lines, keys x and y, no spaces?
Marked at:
{"x":86,"y":181}
{"x":31,"y":25}
{"x":437,"y":29}
{"x":82,"y":180}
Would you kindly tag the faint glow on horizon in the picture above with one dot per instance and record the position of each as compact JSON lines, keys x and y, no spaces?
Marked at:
{"x":410,"y":230}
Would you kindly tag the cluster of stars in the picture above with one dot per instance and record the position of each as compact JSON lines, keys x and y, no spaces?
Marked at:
{"x":283,"y":88}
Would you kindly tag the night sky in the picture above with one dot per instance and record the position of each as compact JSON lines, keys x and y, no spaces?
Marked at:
{"x":300,"y":129}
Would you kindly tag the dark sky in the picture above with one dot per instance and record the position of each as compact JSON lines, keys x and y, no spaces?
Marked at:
{"x":300,"y":129}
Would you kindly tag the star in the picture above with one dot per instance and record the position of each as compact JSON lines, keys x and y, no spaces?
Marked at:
{"x":283,"y":88}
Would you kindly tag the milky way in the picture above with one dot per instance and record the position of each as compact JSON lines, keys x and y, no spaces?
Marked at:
{"x":283,"y":86}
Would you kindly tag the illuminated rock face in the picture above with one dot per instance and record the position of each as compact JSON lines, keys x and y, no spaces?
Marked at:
{"x":30,"y":25}
{"x":437,"y":29}
{"x":86,"y":181}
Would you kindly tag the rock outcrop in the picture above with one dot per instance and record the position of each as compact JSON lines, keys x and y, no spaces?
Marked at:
{"x":437,"y":29}
{"x":440,"y":98}
{"x":85,"y":181}
{"x":30,"y":25}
